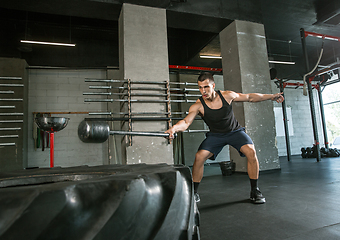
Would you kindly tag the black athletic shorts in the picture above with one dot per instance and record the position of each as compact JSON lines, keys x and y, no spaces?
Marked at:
{"x":214,"y":142}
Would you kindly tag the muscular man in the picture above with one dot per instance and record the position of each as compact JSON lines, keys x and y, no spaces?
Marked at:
{"x":216,"y":110}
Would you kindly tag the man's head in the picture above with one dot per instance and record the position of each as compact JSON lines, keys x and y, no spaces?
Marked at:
{"x":205,"y":75}
{"x":206,"y":85}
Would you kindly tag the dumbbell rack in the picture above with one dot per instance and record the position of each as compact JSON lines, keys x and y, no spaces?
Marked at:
{"x":128,"y":90}
{"x":8,"y":107}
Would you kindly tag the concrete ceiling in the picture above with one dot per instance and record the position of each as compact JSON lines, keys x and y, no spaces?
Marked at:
{"x":193,"y":27}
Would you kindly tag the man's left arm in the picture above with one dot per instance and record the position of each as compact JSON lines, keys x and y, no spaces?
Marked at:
{"x":258,"y":97}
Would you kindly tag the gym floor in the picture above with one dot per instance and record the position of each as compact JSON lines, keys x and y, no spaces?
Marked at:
{"x":302,"y":202}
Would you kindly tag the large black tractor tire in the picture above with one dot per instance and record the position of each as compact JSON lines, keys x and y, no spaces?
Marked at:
{"x":121,"y":202}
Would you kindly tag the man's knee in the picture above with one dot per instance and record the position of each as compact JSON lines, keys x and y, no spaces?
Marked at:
{"x":249,"y":151}
{"x":202,"y":155}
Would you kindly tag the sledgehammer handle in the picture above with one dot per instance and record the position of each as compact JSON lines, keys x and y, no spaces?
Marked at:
{"x":148,"y":134}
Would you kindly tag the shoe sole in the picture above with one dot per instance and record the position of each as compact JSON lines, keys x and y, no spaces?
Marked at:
{"x":259,"y":201}
{"x":197,"y":200}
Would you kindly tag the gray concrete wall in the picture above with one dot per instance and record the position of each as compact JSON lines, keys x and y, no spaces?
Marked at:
{"x":246,"y":70}
{"x":144,"y":57}
{"x":14,"y":157}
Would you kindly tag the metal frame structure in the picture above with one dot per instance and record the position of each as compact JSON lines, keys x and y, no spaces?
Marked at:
{"x":125,"y":95}
{"x":282,"y":84}
{"x":311,"y":77}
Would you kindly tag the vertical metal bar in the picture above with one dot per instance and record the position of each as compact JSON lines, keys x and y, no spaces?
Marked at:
{"x":322,"y":112}
{"x":129,"y":111}
{"x":168,"y":107}
{"x":285,"y":122}
{"x":122,"y":108}
{"x":52,"y":149}
{"x":311,"y":98}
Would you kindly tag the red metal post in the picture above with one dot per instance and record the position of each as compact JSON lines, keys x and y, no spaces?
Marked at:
{"x":52,"y":149}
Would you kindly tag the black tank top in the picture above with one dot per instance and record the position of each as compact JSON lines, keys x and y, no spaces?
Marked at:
{"x":220,"y":120}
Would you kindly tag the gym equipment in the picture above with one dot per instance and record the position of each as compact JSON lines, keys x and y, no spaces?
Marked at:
{"x":273,"y":73}
{"x":304,"y":34}
{"x":10,"y":78}
{"x":148,"y":89}
{"x":6,"y":92}
{"x":310,"y":152}
{"x":11,"y":114}
{"x":11,"y":85}
{"x":7,"y":107}
{"x":98,"y":132}
{"x":9,"y":136}
{"x":11,"y":99}
{"x":149,"y":119}
{"x":139,"y":82}
{"x":10,"y":129}
{"x":137,"y":113}
{"x":11,"y":121}
{"x":227,"y":167}
{"x":7,"y":144}
{"x":139,"y":201}
{"x":51,"y":125}
{"x":136,"y":100}
{"x":141,"y":94}
{"x":6,"y":104}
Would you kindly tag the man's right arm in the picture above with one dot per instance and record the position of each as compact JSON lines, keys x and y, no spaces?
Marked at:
{"x":183,"y":124}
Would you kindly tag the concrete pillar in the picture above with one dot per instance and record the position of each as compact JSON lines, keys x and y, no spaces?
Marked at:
{"x":143,"y":56}
{"x":246,"y":70}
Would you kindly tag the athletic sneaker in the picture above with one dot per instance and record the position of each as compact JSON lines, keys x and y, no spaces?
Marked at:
{"x":197,"y":197}
{"x":257,"y":197}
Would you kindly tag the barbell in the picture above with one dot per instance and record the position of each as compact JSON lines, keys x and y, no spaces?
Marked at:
{"x":99,"y":132}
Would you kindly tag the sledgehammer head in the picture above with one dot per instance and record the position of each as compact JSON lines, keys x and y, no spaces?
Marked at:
{"x":93,"y":131}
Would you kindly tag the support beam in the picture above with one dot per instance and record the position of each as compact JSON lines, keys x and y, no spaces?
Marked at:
{"x":246,"y":70}
{"x":311,"y":98}
{"x":285,"y":122}
{"x":143,"y":56}
{"x":323,"y":119}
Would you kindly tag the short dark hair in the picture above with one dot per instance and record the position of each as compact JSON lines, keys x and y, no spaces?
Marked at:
{"x":204,"y":76}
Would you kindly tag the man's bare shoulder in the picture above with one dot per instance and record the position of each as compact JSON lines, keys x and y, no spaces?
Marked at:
{"x":230,"y":95}
{"x":227,"y":92}
{"x":197,"y":105}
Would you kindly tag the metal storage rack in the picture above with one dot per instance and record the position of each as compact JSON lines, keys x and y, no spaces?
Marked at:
{"x":10,"y":120}
{"x":128,"y":90}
